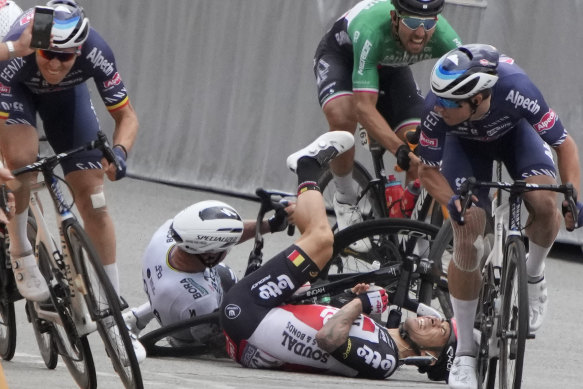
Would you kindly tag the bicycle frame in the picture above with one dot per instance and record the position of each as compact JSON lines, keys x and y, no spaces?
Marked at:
{"x":378,"y":183}
{"x":61,"y":259}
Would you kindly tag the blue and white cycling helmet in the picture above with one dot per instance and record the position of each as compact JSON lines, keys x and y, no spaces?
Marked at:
{"x":424,"y":8}
{"x":71,"y":27}
{"x":464,"y":72}
{"x":207,"y":227}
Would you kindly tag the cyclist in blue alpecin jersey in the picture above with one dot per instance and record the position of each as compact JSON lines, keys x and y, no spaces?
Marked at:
{"x":51,"y":83}
{"x":483,"y":107}
{"x":363,"y":76}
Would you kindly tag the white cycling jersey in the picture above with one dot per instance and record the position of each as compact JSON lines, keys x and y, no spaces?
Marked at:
{"x":175,"y":295}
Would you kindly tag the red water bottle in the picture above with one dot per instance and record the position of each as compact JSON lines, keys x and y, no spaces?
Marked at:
{"x":410,"y":197}
{"x":393,"y":194}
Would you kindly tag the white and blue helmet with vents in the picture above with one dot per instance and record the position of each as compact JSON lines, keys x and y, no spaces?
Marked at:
{"x":209,"y":226}
{"x":464,"y":72}
{"x":70,"y":26}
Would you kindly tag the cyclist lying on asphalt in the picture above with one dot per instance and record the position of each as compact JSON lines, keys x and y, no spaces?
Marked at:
{"x":264,"y":332}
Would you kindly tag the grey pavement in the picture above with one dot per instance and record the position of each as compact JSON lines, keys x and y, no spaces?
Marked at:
{"x":553,"y":359}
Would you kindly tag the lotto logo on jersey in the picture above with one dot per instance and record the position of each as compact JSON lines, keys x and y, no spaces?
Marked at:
{"x":115,"y":80}
{"x":272,"y":289}
{"x":4,"y":88}
{"x":375,"y":359}
{"x":547,"y":122}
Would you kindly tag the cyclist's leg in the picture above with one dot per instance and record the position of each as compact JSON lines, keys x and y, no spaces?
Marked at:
{"x":19,"y":147}
{"x":250,"y":300}
{"x":543,"y":221}
{"x":464,"y":278}
{"x":70,"y":121}
{"x":333,"y":71}
{"x":400,"y":103}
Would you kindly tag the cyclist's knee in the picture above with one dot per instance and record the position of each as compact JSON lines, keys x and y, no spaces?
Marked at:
{"x":468,"y":240}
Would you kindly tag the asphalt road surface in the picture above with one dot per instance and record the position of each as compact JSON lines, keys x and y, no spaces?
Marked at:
{"x":553,"y":359}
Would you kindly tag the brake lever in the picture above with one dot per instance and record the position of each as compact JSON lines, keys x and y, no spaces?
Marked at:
{"x":107,"y":150}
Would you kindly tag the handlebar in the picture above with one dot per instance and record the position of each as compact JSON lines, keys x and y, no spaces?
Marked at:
{"x":271,"y":200}
{"x":52,"y":161}
{"x":467,"y":190}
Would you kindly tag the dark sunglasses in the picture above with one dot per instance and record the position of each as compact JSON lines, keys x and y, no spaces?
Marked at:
{"x":63,"y":57}
{"x":447,"y":103}
{"x":413,"y":23}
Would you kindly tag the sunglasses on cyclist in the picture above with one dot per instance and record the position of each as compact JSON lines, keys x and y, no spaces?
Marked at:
{"x":61,"y":56}
{"x":447,"y":103}
{"x":413,"y":23}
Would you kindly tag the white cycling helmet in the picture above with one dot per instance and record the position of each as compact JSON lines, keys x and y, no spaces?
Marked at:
{"x":9,"y":12}
{"x":71,"y":27}
{"x":207,"y":227}
{"x":464,"y":72}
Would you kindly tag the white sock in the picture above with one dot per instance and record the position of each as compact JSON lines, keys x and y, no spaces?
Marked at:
{"x":535,"y":265}
{"x":345,"y":192}
{"x":464,"y":312}
{"x":112,"y":273}
{"x":144,"y":314}
{"x":19,"y":243}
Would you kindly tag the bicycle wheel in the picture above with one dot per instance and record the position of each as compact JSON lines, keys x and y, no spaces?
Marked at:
{"x":485,"y":317}
{"x":43,"y":330}
{"x":513,"y":325}
{"x":389,"y":241}
{"x":160,"y":342}
{"x":103,"y":303}
{"x":7,"y":313}
{"x":368,"y":203}
{"x":7,"y":330}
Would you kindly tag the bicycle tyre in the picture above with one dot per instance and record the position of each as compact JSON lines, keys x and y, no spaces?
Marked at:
{"x":514,"y":318}
{"x":7,"y":330}
{"x":158,"y":344}
{"x":440,"y":255}
{"x":7,"y":312}
{"x":104,"y":305}
{"x":389,"y":241}
{"x":485,"y":323}
{"x":368,"y":205}
{"x":43,"y":330}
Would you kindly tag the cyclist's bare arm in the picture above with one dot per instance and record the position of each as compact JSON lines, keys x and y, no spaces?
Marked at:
{"x":435,"y":183}
{"x":568,"y":162}
{"x":372,"y":120}
{"x":126,"y":130}
{"x":569,"y":171}
{"x":335,"y":332}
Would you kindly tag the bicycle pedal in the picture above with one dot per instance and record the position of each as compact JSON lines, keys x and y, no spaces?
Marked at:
{"x":531,"y":336}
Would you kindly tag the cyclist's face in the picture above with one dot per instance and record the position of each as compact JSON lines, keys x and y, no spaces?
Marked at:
{"x":413,"y":40}
{"x":456,"y":115}
{"x":427,"y":331}
{"x":54,"y":70}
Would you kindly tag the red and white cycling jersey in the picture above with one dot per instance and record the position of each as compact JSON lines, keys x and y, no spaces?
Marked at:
{"x":286,"y":339}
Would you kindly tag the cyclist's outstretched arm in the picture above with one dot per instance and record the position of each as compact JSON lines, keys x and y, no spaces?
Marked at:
{"x":435,"y":183}
{"x":124,"y":136}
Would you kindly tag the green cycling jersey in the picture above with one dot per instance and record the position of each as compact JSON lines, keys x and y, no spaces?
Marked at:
{"x":369,"y":30}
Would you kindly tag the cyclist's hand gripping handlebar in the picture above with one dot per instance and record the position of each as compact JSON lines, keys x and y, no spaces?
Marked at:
{"x":570,"y":204}
{"x":465,"y":197}
{"x":115,"y":156}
